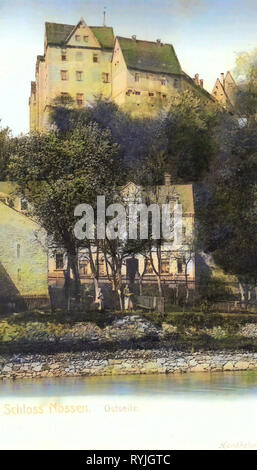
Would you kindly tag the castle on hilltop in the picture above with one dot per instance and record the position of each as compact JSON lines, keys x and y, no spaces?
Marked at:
{"x":89,"y":62}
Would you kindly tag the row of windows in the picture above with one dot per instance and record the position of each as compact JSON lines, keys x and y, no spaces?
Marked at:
{"x":150,"y":93}
{"x":162,"y":80}
{"x":79,"y":97}
{"x":84,"y":266}
{"x":79,"y":76}
{"x":78,"y":38}
{"x":79,"y":56}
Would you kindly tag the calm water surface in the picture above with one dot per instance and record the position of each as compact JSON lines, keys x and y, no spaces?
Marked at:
{"x":194,"y":411}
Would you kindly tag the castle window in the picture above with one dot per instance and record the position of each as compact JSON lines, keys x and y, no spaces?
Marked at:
{"x":18,"y":250}
{"x":64,"y":55}
{"x":151,"y":94}
{"x":77,"y":37}
{"x":64,"y":74}
{"x":59,"y":261}
{"x":105,"y":77}
{"x":137,"y":77}
{"x":85,"y":38}
{"x":175,"y":83}
{"x":80,"y":99}
{"x":95,"y":58}
{"x":79,"y":75}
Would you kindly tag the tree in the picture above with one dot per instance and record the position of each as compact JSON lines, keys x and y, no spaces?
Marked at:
{"x":227,"y":210}
{"x":6,"y":144}
{"x":191,"y":141}
{"x":58,"y":171}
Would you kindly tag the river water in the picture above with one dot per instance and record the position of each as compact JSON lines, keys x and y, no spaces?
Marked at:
{"x":187,"y":411}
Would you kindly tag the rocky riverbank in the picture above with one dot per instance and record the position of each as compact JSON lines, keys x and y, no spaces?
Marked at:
{"x":124,"y":362}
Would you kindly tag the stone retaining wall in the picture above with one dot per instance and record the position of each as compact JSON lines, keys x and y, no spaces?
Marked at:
{"x":122,"y":363}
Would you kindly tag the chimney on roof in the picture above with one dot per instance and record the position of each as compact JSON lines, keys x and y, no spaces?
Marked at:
{"x":167,"y":179}
{"x":201,"y":83}
{"x":196,"y":79}
{"x":134,"y":37}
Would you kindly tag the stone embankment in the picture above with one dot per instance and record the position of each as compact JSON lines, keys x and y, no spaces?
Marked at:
{"x":122,"y":363}
{"x":102,"y":361}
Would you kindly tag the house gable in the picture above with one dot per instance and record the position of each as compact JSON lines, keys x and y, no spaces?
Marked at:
{"x":83,"y":36}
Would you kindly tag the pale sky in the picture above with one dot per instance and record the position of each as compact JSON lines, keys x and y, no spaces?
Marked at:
{"x":206,"y":35}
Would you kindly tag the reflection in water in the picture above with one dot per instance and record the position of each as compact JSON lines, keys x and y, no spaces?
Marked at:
{"x":187,"y":411}
{"x":216,"y":383}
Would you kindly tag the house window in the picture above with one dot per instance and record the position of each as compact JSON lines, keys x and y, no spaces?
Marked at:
{"x":79,"y":75}
{"x":180,"y":266}
{"x":164,"y":97}
{"x":150,"y":93}
{"x":64,"y":55}
{"x":149,"y":268}
{"x":77,"y":37}
{"x":80,"y":99}
{"x":95,"y":58}
{"x":85,"y":38}
{"x":128,"y":92}
{"x":105,"y":77}
{"x":59,"y":261}
{"x":84,"y":268}
{"x":102,"y":267}
{"x":137,"y":93}
{"x":163,"y":81}
{"x":18,"y":250}
{"x":24,"y":204}
{"x":165,"y":266}
{"x":137,"y":77}
{"x":64,"y":74}
{"x":175,"y":83}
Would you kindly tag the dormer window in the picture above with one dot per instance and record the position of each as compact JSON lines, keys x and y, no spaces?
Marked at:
{"x":77,"y":37}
